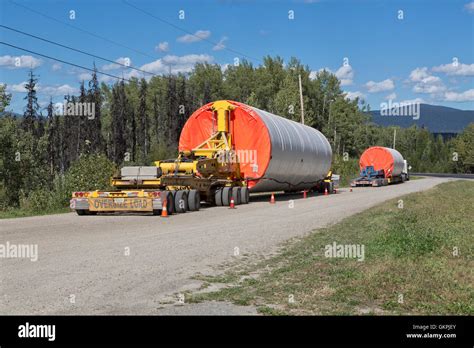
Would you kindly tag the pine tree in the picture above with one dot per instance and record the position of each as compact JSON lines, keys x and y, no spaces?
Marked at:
{"x":183,"y":107}
{"x":30,"y":115}
{"x":95,"y":124}
{"x":156,"y":117}
{"x":171,"y":112}
{"x":119,"y":146}
{"x":51,"y":136}
{"x":143,"y":136}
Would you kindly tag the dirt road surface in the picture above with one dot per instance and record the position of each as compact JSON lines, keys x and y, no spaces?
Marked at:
{"x":129,"y":264}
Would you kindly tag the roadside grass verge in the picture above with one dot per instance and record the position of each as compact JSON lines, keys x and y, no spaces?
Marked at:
{"x":18,"y":212}
{"x":410,"y":264}
{"x":417,"y":177}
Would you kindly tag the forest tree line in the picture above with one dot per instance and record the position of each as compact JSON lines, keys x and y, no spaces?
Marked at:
{"x":135,"y":122}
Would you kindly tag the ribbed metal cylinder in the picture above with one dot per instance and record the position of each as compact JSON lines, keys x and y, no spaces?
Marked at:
{"x":383,"y":158}
{"x":300,"y":155}
{"x":398,"y":161}
{"x":274,"y":153}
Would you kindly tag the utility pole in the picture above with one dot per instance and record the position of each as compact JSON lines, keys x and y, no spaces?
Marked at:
{"x":301,"y":99}
{"x":394,"y":137}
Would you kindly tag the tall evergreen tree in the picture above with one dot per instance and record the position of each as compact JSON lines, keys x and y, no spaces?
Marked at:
{"x":95,"y":124}
{"x":119,"y":145}
{"x":143,"y":130}
{"x":171,"y":112}
{"x":30,"y":115}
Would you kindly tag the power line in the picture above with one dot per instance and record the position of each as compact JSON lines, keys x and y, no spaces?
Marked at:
{"x":186,"y":31}
{"x":84,"y":31}
{"x":64,"y":62}
{"x":76,"y":50}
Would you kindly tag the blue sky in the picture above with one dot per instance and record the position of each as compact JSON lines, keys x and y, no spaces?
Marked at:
{"x":425,"y":53}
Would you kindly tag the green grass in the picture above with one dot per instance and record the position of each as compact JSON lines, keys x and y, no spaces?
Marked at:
{"x":408,"y":256}
{"x":17,"y":212}
{"x":417,"y":177}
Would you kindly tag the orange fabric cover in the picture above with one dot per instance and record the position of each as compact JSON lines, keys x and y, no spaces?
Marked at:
{"x":379,"y":158}
{"x":249,"y":133}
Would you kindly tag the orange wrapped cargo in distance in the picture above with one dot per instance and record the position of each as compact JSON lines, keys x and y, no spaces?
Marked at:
{"x":383,"y":158}
{"x":274,"y":153}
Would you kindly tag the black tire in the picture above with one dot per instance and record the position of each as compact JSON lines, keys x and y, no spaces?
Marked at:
{"x":218,"y":196}
{"x":156,"y":211}
{"x":81,"y":212}
{"x":236,"y":194}
{"x":194,"y":200}
{"x":170,"y":202}
{"x":181,"y":201}
{"x":244,"y":195}
{"x":226,"y":194}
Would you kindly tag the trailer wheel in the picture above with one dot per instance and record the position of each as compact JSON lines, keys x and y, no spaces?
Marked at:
{"x":244,"y":195}
{"x":181,"y":201}
{"x":226,"y":194}
{"x":80,"y":212}
{"x":237,"y":195}
{"x":170,"y":202}
{"x":156,"y":211}
{"x":218,"y":196}
{"x":194,"y":200}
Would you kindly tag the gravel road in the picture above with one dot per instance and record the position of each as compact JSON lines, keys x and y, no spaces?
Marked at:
{"x":130,"y":264}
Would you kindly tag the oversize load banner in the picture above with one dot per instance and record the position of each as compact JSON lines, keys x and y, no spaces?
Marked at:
{"x":114,"y":204}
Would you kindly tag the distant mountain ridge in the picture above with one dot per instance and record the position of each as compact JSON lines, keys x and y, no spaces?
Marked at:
{"x":435,"y":118}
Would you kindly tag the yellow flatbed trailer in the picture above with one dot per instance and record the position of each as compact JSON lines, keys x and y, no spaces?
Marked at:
{"x":194,"y":176}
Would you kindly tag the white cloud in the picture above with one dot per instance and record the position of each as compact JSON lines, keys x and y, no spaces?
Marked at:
{"x":313,"y":74}
{"x":57,"y":90}
{"x":385,"y":85}
{"x":177,"y":64}
{"x":425,"y":82}
{"x":458,"y":69}
{"x":84,"y":76}
{"x":423,"y":75}
{"x":163,"y":47}
{"x":220,"y":45}
{"x":459,"y":97}
{"x":19,"y":62}
{"x":40,"y":89}
{"x":469,"y":7}
{"x":429,"y":88}
{"x":391,"y":96}
{"x":197,"y":36}
{"x":353,"y":95}
{"x":413,"y":101}
{"x":20,"y":87}
{"x":56,"y":67}
{"x":345,"y":74}
{"x":122,"y":60}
